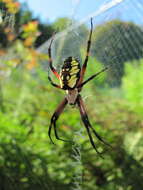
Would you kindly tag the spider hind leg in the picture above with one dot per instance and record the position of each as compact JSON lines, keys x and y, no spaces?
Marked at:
{"x":87,"y":124}
{"x":53,"y":123}
{"x":99,"y":137}
{"x":54,"y":118}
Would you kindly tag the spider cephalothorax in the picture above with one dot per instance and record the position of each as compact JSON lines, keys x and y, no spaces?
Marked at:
{"x":71,"y":80}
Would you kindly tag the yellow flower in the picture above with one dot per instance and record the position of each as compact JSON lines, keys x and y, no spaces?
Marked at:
{"x":30,"y":27}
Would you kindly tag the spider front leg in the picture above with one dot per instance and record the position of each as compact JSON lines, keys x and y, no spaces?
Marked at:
{"x":54,"y":118}
{"x":53,"y":84}
{"x":51,"y":67}
{"x":83,"y":69}
{"x":87,"y":124}
{"x":92,"y":77}
{"x":50,"y":60}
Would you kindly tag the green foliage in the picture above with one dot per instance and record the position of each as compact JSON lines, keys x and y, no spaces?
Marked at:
{"x":14,"y":22}
{"x":29,"y":161}
{"x":116,"y":42}
{"x":61,"y":23}
{"x":133,"y":84}
{"x":27,"y":153}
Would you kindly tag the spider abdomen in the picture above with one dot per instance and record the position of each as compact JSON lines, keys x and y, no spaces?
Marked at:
{"x":70,"y":73}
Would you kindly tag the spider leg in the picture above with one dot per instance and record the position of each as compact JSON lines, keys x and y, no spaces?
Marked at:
{"x":53,"y":84}
{"x":85,"y":120}
{"x":54,"y":118}
{"x":50,"y":60}
{"x":92,"y":77}
{"x":87,"y":124}
{"x":83,"y":69}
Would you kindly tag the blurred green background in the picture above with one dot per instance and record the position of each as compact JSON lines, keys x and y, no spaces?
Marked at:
{"x":114,"y":103}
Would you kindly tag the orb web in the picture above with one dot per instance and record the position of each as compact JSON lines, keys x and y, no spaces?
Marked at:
{"x":73,"y":40}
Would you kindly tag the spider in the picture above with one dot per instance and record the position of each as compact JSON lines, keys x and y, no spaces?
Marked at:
{"x":71,"y":80}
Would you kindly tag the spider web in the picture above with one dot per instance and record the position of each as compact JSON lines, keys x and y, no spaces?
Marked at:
{"x":73,"y":40}
{"x":70,"y":41}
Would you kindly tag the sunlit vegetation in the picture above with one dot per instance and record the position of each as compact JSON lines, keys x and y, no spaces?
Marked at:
{"x":28,"y":160}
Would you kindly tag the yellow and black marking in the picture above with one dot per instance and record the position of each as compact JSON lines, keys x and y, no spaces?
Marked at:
{"x":70,"y":73}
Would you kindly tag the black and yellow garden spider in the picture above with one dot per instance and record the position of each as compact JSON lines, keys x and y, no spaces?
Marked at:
{"x":71,"y":80}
